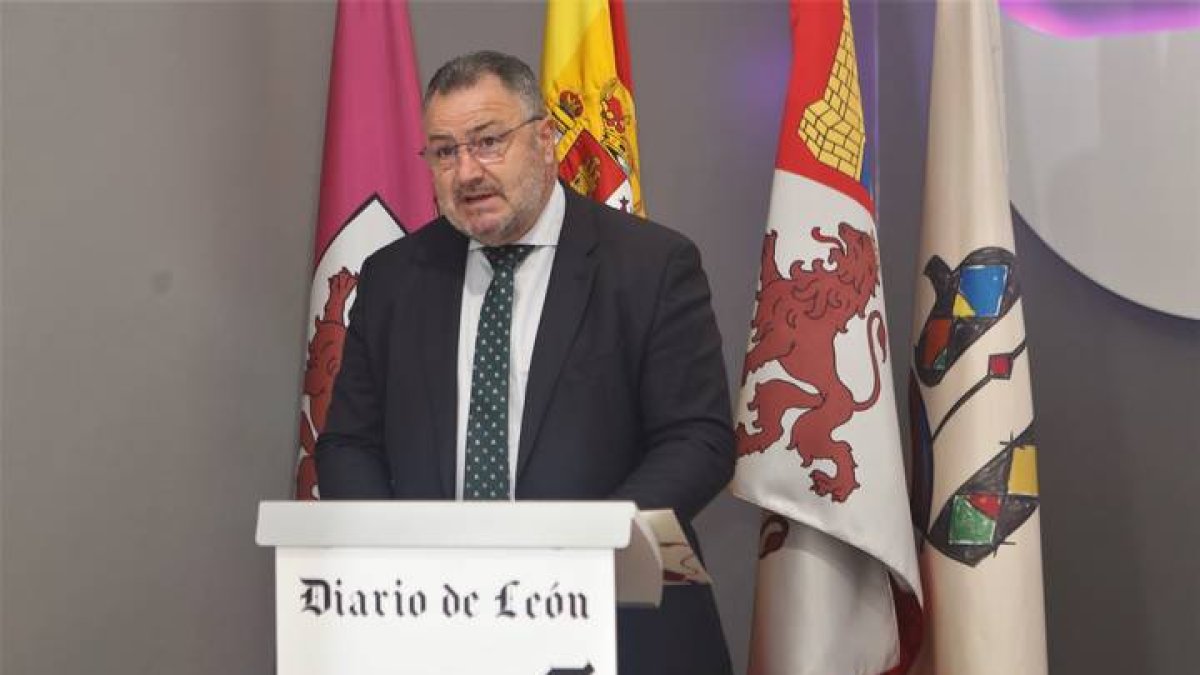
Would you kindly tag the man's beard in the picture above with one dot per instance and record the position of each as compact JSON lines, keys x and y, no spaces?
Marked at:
{"x":531,"y":187}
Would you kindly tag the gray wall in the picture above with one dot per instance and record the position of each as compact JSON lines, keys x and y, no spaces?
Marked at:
{"x":159,"y":172}
{"x":158,"y":175}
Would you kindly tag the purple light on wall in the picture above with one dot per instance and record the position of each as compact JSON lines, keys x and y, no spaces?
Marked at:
{"x":1073,"y":18}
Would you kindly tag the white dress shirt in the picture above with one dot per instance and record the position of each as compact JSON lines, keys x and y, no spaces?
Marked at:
{"x":529,"y":290}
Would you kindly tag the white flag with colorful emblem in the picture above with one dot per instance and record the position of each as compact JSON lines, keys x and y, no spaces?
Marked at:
{"x":975,"y":488}
{"x":818,"y":438}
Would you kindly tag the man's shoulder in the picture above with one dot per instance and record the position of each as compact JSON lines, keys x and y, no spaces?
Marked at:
{"x":624,"y":230}
{"x":424,"y":243}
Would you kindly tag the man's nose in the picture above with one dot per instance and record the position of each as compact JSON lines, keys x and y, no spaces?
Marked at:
{"x":466,"y":166}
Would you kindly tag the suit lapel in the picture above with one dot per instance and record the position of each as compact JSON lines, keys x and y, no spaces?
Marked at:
{"x":443,"y":263}
{"x":566,"y":300}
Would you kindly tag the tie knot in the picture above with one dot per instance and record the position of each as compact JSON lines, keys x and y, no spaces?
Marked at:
{"x":507,"y":257}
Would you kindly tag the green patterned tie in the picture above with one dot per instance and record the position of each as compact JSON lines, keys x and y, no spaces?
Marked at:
{"x":486,"y":474}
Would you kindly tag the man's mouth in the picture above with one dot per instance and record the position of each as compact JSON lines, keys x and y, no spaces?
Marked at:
{"x":476,"y":198}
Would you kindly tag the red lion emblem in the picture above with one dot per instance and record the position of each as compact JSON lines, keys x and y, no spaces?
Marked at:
{"x":795,"y":323}
{"x":324,"y":361}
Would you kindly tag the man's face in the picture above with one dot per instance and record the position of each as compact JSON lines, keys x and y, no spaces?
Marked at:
{"x":494,"y":203}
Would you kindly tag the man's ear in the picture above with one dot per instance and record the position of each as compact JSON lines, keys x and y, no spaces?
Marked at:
{"x":545,"y":130}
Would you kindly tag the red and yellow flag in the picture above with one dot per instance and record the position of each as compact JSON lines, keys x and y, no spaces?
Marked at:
{"x":589,"y":92}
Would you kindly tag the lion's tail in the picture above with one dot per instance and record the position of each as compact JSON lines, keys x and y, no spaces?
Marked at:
{"x":880,"y":336}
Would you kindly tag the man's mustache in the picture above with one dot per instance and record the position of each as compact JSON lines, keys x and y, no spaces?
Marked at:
{"x":463,"y":193}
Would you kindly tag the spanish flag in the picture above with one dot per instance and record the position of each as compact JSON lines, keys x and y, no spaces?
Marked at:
{"x":589,"y":92}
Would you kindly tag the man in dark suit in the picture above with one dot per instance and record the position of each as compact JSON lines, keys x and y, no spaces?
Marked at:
{"x":596,"y":325}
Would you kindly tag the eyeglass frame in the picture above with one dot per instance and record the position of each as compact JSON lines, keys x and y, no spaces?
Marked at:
{"x":502,"y":141}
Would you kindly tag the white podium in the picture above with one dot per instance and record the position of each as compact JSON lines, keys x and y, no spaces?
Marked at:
{"x":450,"y":588}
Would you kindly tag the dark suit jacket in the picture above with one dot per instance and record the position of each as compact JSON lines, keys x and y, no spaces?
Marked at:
{"x":626,"y":397}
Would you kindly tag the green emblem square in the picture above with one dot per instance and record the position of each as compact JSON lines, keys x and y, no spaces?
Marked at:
{"x":968,"y":525}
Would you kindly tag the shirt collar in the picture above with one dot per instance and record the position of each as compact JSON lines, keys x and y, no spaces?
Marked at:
{"x":548,"y":225}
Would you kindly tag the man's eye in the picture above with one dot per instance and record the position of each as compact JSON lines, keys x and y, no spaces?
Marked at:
{"x":443,"y":151}
{"x":487,"y":142}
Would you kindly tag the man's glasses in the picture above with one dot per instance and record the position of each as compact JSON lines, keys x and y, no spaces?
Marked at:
{"x":485,"y":149}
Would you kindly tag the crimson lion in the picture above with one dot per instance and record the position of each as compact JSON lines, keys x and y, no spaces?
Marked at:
{"x":795,"y":322}
{"x":320,"y":370}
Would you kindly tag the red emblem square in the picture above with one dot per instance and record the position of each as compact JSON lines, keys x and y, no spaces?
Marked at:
{"x":1000,"y":365}
{"x":937,"y":336}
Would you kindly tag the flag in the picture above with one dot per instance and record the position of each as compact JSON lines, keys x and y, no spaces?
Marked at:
{"x":588,"y":90}
{"x":374,"y":188}
{"x":975,"y":488}
{"x":818,"y":437}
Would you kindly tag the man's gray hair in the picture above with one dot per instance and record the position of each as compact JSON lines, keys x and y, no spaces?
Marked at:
{"x":464,"y":71}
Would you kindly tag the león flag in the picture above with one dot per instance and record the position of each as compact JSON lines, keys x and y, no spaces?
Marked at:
{"x":818,"y":438}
